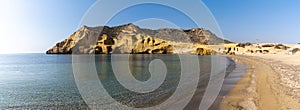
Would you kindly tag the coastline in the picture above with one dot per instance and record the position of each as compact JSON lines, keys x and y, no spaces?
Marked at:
{"x":262,"y":86}
{"x":234,"y":72}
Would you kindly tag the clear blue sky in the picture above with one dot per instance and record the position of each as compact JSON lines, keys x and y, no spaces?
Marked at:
{"x":267,"y":20}
{"x":36,"y":25}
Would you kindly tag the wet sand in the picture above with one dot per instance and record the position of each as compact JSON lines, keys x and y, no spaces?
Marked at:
{"x":263,"y":87}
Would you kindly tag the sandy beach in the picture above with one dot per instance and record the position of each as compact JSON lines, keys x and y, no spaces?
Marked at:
{"x":270,"y":83}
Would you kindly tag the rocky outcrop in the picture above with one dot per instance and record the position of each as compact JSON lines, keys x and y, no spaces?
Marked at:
{"x":152,"y":46}
{"x":203,"y":36}
{"x":205,"y":51}
{"x":130,"y":39}
{"x":82,"y":41}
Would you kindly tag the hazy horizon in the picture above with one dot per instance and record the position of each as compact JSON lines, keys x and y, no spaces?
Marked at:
{"x":34,"y":26}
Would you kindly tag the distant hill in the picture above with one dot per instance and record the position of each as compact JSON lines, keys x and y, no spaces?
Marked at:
{"x":130,"y":38}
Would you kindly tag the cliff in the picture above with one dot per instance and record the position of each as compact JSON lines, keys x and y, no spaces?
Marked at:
{"x":133,"y":39}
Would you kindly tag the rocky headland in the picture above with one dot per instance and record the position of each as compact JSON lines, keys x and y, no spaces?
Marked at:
{"x":131,"y":39}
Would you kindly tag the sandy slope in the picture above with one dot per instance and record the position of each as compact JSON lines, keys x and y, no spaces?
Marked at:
{"x":263,"y":86}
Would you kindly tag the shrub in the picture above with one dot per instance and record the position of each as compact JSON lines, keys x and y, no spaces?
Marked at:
{"x":295,"y":50}
{"x":244,"y":44}
{"x":268,"y":45}
{"x":281,"y":46}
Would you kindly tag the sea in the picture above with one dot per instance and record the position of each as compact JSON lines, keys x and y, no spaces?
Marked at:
{"x":41,"y":81}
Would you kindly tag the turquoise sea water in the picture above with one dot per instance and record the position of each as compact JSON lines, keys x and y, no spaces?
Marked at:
{"x":39,"y":81}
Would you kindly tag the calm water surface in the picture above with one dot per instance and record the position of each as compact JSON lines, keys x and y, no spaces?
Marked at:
{"x":47,"y":81}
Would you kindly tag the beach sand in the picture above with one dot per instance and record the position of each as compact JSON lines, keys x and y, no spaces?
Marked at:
{"x":271,"y":83}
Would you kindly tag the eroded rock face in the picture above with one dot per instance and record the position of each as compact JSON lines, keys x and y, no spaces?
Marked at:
{"x":129,"y":39}
{"x":152,"y":46}
{"x":82,"y":41}
{"x":204,"y":51}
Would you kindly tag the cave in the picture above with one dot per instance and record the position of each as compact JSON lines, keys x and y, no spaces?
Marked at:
{"x":98,"y":50}
{"x":148,"y":40}
{"x":109,"y":41}
{"x":109,"y":49}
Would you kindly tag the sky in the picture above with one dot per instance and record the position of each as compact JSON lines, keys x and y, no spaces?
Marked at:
{"x":267,"y":20}
{"x":34,"y":26}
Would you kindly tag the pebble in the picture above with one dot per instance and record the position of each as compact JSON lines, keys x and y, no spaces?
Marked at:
{"x":250,"y":89}
{"x":252,"y":82}
{"x":247,"y":105}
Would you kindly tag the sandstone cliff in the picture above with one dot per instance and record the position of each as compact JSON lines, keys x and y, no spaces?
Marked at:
{"x":133,"y":39}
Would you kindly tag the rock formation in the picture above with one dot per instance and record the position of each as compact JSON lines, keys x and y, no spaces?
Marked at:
{"x":132,"y":39}
{"x":205,"y":51}
{"x":152,"y":46}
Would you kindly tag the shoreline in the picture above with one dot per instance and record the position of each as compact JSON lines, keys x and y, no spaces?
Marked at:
{"x":234,"y":72}
{"x":261,"y":87}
